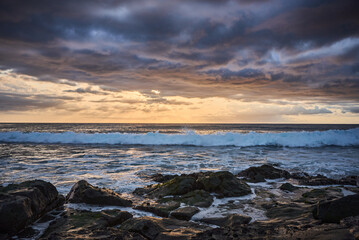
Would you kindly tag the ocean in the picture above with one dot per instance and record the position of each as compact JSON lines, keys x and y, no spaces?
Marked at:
{"x":123,"y":156}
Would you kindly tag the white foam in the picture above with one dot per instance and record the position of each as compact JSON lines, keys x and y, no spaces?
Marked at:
{"x":219,"y":208}
{"x":287,"y":139}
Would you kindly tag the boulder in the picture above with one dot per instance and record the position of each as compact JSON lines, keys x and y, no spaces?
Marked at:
{"x":230,"y":220}
{"x":21,"y":204}
{"x":224,"y":184}
{"x":319,"y":180}
{"x":258,"y":174}
{"x":83,"y":192}
{"x":316,"y":195}
{"x":75,"y":224}
{"x":160,"y":209}
{"x":335,"y":210}
{"x":165,"y":228}
{"x":160,"y":178}
{"x":285,"y":211}
{"x":184,"y":213}
{"x":288,"y":187}
{"x":115,"y":217}
{"x":197,"y":198}
{"x":176,"y":186}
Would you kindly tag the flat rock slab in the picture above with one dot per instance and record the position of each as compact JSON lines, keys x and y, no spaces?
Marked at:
{"x":184,"y":213}
{"x":230,"y":220}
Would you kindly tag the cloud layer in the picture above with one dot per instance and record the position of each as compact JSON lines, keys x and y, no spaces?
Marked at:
{"x":250,"y":51}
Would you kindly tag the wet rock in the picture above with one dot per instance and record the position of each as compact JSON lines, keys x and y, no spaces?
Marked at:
{"x":352,"y":223}
{"x":285,"y":211}
{"x":184,"y":213}
{"x":197,"y":198}
{"x":230,"y":220}
{"x":28,"y":233}
{"x":176,"y":186}
{"x":94,"y":233}
{"x":273,"y":230}
{"x":90,"y":225}
{"x":350,"y":180}
{"x":160,"y":209}
{"x":160,"y":178}
{"x":288,"y":187}
{"x":315,"y":195}
{"x":317,"y":180}
{"x":46,"y":218}
{"x":156,"y":228}
{"x":115,"y":217}
{"x":146,"y":226}
{"x":335,"y":210}
{"x":21,"y":204}
{"x":224,"y":184}
{"x":83,"y":192}
{"x":258,"y":174}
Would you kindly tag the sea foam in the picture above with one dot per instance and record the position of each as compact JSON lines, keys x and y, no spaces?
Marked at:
{"x":286,"y":139}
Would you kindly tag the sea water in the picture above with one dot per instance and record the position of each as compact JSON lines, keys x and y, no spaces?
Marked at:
{"x":123,"y":156}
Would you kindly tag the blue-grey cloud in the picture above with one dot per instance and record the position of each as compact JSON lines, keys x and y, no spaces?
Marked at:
{"x":280,"y":49}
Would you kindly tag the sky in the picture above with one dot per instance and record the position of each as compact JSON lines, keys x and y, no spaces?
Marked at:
{"x":179,"y":61}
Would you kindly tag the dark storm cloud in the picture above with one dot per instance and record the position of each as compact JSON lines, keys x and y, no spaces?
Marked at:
{"x":23,"y":102}
{"x":246,"y":73}
{"x":286,"y":49}
{"x":351,"y":110}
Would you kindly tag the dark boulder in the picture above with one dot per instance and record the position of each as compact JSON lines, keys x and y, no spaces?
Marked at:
{"x":288,"y":187}
{"x":230,"y":220}
{"x":75,"y":224}
{"x":160,"y":178}
{"x":21,"y":204}
{"x":83,"y":192}
{"x":317,"y":180}
{"x":258,"y":174}
{"x":176,"y":186}
{"x":224,"y":184}
{"x":197,"y":198}
{"x":323,"y":180}
{"x":335,"y":210}
{"x":165,"y":228}
{"x":185,"y":213}
{"x":114,"y":217}
{"x":160,"y":209}
{"x":320,"y":194}
{"x":285,"y":211}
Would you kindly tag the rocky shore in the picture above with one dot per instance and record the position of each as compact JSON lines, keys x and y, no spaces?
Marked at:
{"x":258,"y":203}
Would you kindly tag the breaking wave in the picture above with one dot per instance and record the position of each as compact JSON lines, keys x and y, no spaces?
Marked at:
{"x":286,"y":139}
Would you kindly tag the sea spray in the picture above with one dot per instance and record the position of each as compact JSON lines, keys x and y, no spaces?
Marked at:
{"x":190,"y":138}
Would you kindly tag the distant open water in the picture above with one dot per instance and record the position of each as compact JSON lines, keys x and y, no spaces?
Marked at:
{"x":122,"y":156}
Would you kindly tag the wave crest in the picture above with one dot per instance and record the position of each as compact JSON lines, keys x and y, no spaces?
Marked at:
{"x":288,"y":139}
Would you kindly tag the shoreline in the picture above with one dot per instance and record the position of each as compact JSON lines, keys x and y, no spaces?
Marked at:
{"x":213,"y":202}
